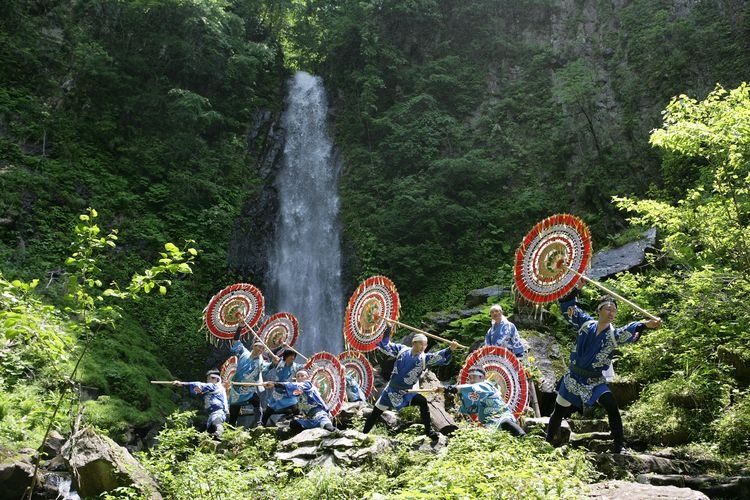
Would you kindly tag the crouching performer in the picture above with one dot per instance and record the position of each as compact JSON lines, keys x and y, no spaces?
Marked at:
{"x":280,"y":402}
{"x":214,"y":400}
{"x":314,"y":410}
{"x":410,"y":363}
{"x":484,"y":400}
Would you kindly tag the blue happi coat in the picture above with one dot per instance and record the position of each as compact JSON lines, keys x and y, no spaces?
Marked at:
{"x":310,"y":403}
{"x":406,"y":371}
{"x":583,"y":382}
{"x":279,"y":398}
{"x":485,"y":401}
{"x":249,"y":369}
{"x":505,"y":334}
{"x":214,"y":401}
{"x":353,"y":391}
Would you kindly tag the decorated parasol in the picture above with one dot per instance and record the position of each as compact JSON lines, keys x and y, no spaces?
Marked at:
{"x":552,"y":257}
{"x":240,"y":304}
{"x":375,"y":298}
{"x":227,"y":371}
{"x":327,"y":375}
{"x":503,"y":368}
{"x":280,"y":329}
{"x":550,"y":251}
{"x":356,"y":365}
{"x":372,"y":306}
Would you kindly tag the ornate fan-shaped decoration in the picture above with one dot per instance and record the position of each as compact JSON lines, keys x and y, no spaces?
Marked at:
{"x":227,"y":370}
{"x":376,"y":297}
{"x":240,"y":304}
{"x":280,"y":328}
{"x":356,"y":365}
{"x":503,"y":368}
{"x":327,"y":375}
{"x":551,"y":258}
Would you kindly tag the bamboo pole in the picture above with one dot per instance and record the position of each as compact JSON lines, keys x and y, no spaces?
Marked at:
{"x":616,"y":295}
{"x":164,"y":382}
{"x":295,"y":350}
{"x":249,"y":384}
{"x":431,"y":335}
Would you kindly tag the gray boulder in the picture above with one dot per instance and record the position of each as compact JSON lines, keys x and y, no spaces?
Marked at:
{"x":629,"y":256}
{"x":626,"y":490}
{"x":99,"y":464}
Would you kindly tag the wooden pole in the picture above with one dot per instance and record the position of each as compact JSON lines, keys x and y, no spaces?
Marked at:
{"x":295,"y":350}
{"x":164,"y":382}
{"x":431,"y":335}
{"x":248,"y":384}
{"x":616,"y":295}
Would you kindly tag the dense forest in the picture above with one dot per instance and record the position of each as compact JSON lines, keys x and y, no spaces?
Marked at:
{"x":134,"y":136}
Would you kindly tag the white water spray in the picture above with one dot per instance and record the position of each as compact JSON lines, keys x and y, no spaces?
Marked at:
{"x":305,"y":263}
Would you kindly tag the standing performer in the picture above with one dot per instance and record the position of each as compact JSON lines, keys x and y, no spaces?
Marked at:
{"x":214,"y":400}
{"x":279,"y":402}
{"x":311,"y":403}
{"x":409,"y":365}
{"x":484,"y":400}
{"x":251,"y":366}
{"x":503,"y":333}
{"x":583,"y":382}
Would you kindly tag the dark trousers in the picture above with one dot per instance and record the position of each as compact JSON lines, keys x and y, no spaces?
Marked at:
{"x":234,"y":411}
{"x":607,"y":401}
{"x":289,"y":410}
{"x":424,"y":415}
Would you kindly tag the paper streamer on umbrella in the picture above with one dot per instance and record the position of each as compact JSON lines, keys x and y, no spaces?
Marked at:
{"x":240,"y":304}
{"x":280,"y":328}
{"x":357,"y":365}
{"x":227,"y":371}
{"x":501,"y":367}
{"x":375,"y":297}
{"x":553,"y":256}
{"x":327,"y":375}
{"x":554,"y":246}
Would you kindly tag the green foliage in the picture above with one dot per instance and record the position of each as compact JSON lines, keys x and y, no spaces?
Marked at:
{"x":694,"y":363}
{"x":481,"y":463}
{"x":733,"y":424}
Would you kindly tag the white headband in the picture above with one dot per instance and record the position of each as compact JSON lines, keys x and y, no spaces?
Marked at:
{"x":419,"y":337}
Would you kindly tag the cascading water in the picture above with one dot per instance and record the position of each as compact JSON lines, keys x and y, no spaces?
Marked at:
{"x":305,"y":263}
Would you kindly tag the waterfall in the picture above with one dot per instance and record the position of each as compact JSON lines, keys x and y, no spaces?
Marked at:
{"x":305,"y":262}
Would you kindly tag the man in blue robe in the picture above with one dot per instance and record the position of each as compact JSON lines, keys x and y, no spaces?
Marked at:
{"x":484,"y":400}
{"x":354,"y":392}
{"x":583,"y":383}
{"x":314,"y":410}
{"x":251,"y":367}
{"x":503,"y":333}
{"x":410,"y":363}
{"x":279,"y":402}
{"x":214,"y":400}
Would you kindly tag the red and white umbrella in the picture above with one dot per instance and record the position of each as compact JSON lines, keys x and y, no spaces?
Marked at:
{"x":376,"y":297}
{"x":503,"y":368}
{"x":227,"y":371}
{"x":240,"y":304}
{"x":327,"y":375}
{"x":357,"y":365}
{"x":552,"y":257}
{"x":280,"y":328}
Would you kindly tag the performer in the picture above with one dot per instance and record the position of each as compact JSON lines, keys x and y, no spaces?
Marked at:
{"x":583,"y":383}
{"x":409,"y":365}
{"x":314,"y":409}
{"x":214,"y":400}
{"x":251,"y":366}
{"x":279,"y":402}
{"x":483,"y":399}
{"x":503,"y":333}
{"x":354,"y":392}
